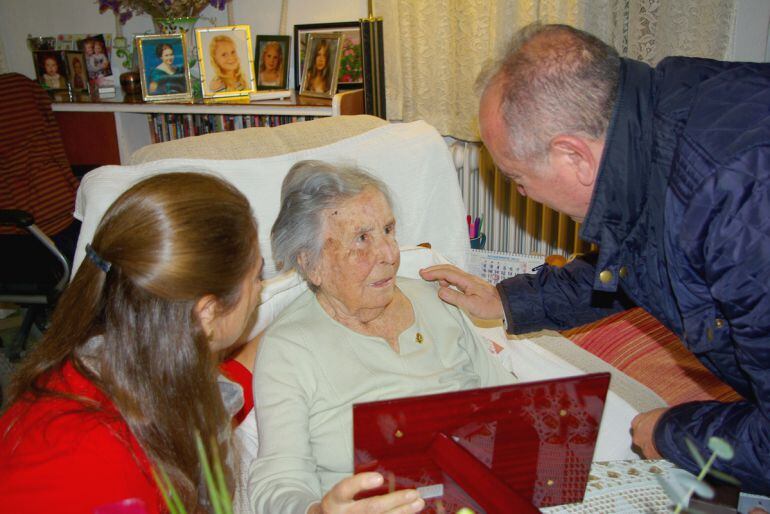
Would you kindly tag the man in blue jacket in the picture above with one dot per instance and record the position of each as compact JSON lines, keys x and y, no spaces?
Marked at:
{"x":668,"y":169}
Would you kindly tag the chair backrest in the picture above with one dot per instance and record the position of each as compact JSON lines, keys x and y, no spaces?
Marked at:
{"x":36,"y":176}
{"x":411,"y":158}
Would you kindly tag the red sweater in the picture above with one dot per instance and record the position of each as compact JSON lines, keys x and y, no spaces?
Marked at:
{"x":56,"y":458}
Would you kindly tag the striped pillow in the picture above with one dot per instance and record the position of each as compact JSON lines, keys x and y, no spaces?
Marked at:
{"x":639,"y":345}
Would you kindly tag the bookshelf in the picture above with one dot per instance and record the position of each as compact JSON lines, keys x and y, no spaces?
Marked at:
{"x":108,"y":131}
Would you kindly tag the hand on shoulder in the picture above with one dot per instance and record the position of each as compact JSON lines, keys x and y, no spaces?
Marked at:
{"x":469,"y":292}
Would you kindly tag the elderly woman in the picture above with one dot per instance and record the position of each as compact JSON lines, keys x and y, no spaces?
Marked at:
{"x":358,"y":334}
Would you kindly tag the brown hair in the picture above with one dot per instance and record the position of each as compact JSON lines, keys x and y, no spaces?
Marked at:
{"x":171,"y":239}
{"x":325,"y":73}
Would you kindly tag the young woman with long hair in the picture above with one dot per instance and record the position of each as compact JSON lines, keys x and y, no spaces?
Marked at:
{"x":126,"y":374}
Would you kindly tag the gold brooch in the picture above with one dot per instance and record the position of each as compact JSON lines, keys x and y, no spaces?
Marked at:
{"x":418,"y":338}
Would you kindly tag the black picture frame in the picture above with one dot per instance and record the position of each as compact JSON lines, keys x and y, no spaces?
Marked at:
{"x":284,"y":42}
{"x":352,"y":41}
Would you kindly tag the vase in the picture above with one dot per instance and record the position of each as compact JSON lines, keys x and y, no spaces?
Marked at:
{"x":174,"y":25}
{"x":184,"y":26}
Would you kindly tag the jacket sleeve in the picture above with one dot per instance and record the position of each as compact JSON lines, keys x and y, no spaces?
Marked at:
{"x":730,"y":249}
{"x":557,"y":298}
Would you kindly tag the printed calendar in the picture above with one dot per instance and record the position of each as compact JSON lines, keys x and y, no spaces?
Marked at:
{"x":496,"y":266}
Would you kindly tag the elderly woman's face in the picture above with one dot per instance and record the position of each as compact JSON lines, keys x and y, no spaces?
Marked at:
{"x":360,"y":255}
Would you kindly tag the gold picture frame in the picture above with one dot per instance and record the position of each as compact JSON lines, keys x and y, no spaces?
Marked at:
{"x":321,"y":81}
{"x":226,"y":61}
{"x":163,"y":67}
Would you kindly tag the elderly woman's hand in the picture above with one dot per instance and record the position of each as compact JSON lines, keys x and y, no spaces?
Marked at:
{"x":340,"y":498}
{"x":473,"y":293}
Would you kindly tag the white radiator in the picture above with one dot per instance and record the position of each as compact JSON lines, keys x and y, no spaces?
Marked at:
{"x":512,"y":223}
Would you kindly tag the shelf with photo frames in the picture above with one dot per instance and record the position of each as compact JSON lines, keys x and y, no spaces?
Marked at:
{"x":108,"y":131}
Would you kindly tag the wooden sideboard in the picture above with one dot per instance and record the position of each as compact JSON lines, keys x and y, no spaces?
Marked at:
{"x":99,"y":132}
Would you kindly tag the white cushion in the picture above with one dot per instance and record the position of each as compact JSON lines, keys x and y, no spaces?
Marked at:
{"x":411,"y":158}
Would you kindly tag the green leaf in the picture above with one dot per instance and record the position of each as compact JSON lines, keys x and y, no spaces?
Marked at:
{"x":697,"y":457}
{"x":674,"y":490}
{"x":169,"y":493}
{"x":721,"y":447}
{"x":221,"y":485}
{"x":210,"y":485}
{"x":724,"y":477}
{"x":688,"y":481}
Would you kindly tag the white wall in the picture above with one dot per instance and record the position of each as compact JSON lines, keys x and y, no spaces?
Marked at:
{"x":49,"y":17}
{"x":18,"y":18}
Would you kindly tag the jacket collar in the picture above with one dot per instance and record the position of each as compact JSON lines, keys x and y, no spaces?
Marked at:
{"x":621,"y":185}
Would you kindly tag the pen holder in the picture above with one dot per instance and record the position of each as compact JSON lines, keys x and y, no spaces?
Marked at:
{"x":477,"y":243}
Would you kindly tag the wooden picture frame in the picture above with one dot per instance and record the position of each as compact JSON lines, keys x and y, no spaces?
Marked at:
{"x":163,"y":67}
{"x":230,"y":47}
{"x":271,"y":62}
{"x":321,"y":71}
{"x":351,"y":72}
{"x":77,"y":71}
{"x":51,"y":69}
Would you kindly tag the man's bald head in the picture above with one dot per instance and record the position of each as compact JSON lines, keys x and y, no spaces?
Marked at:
{"x":553,"y":79}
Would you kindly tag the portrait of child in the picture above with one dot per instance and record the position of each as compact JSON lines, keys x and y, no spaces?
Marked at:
{"x":51,"y":71}
{"x":97,"y":59}
{"x":271,"y":59}
{"x":226,"y":61}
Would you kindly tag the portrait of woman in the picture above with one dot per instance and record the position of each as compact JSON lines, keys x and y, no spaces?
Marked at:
{"x":164,"y":68}
{"x":128,"y":370}
{"x":321,"y":65}
{"x":271,"y":62}
{"x":165,"y":78}
{"x":226,"y":61}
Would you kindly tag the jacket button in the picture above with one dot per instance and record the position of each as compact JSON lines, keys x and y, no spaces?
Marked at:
{"x":719,"y":323}
{"x":605,"y":276}
{"x":623,"y":272}
{"x":709,"y":334}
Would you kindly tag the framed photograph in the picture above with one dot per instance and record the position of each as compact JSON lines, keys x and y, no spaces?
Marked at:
{"x":321,"y":65}
{"x":226,"y":61}
{"x":76,"y":71}
{"x":51,"y":69}
{"x":351,"y":72}
{"x":97,"y":61}
{"x":163,"y":67}
{"x":272,"y":62}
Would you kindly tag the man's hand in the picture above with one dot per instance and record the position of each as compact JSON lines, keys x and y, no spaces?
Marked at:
{"x":474,"y":294}
{"x":642,"y":428}
{"x":339,"y":499}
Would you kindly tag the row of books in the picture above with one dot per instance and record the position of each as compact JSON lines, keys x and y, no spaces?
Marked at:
{"x":167,"y":127}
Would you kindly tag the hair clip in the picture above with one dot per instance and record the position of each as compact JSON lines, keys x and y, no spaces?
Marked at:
{"x":103,"y":264}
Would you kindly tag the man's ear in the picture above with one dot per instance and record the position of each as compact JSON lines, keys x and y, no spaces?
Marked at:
{"x":578,"y":155}
{"x":206,"y":310}
{"x":313,"y":275}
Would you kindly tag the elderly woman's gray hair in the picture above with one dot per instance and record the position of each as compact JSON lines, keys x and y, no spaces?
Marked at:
{"x":308,"y":190}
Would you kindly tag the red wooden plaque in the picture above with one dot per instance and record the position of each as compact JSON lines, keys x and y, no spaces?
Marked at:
{"x":496,"y":450}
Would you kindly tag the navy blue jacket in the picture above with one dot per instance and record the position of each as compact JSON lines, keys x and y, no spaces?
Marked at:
{"x":681,"y":214}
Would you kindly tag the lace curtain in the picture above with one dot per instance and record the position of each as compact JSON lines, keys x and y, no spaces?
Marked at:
{"x":434,"y":50}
